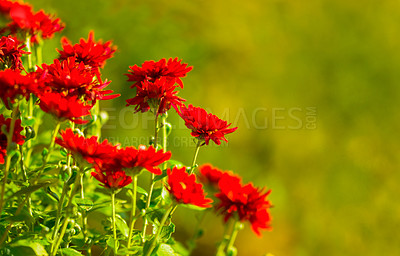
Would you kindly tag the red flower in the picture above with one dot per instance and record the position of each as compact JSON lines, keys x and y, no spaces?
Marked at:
{"x":17,"y":137}
{"x":90,"y":149}
{"x":245,"y":202}
{"x":74,"y":79}
{"x":64,"y":108}
{"x":13,"y":84}
{"x":11,"y":52}
{"x":23,"y":18}
{"x":112,"y":179}
{"x":185,"y":189}
{"x":210,"y":175}
{"x":91,"y":53}
{"x":148,"y":158}
{"x":159,"y":94}
{"x":205,"y":126}
{"x":172,"y":70}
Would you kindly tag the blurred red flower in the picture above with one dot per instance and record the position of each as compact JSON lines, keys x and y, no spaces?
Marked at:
{"x":204,"y":126}
{"x":134,"y":159}
{"x":64,"y":107}
{"x":150,"y":71}
{"x":112,"y":179}
{"x":22,"y":17}
{"x":210,"y":175}
{"x":244,"y":202}
{"x":11,"y":51}
{"x":90,"y":149}
{"x":159,"y":95}
{"x":184,"y":188}
{"x":17,"y":137}
{"x":13,"y":84}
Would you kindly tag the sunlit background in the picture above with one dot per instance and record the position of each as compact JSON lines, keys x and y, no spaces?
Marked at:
{"x":313,"y":87}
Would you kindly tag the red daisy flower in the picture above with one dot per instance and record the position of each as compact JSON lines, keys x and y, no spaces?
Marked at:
{"x":74,"y":79}
{"x":13,"y":84}
{"x":17,"y":137}
{"x":210,"y":175}
{"x":90,"y":149}
{"x":159,"y":94}
{"x":11,"y":52}
{"x":151,"y":71}
{"x":112,"y":179}
{"x":205,"y":126}
{"x":64,"y":107}
{"x":23,"y":18}
{"x":244,"y":202}
{"x":185,"y":189}
{"x":93,"y":54}
{"x":148,"y":158}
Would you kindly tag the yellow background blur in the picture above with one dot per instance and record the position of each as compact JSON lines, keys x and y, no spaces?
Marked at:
{"x":313,"y":87}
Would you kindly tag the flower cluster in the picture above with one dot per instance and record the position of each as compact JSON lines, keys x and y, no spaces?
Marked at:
{"x":238,"y":201}
{"x":21,"y":17}
{"x":5,"y":123}
{"x":14,"y":85}
{"x":11,"y":51}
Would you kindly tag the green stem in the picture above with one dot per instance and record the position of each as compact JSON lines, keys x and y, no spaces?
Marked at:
{"x":10,"y":134}
{"x":56,"y":243}
{"x":162,"y":223}
{"x":25,"y":178}
{"x":196,"y":153}
{"x":192,"y":242}
{"x":236,"y":227}
{"x":29,"y":49}
{"x":146,"y":222}
{"x":114,"y":221}
{"x":83,"y":211}
{"x":221,"y":246}
{"x":133,"y":213}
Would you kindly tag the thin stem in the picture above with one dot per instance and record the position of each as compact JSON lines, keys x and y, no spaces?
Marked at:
{"x":9,"y":156}
{"x":196,"y":153}
{"x":162,"y":223}
{"x":25,"y":178}
{"x":236,"y":228}
{"x":195,"y":236}
{"x":56,"y":243}
{"x":28,"y":47}
{"x":83,"y":211}
{"x":133,"y":212}
{"x":221,"y":246}
{"x":146,"y":222}
{"x":114,"y":221}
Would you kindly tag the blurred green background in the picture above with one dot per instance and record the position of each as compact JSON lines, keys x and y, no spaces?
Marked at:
{"x":312,"y":86}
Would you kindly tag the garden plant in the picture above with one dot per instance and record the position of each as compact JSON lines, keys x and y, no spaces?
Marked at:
{"x":56,"y":172}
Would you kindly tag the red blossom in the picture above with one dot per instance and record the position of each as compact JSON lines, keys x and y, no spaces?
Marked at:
{"x":205,"y":126}
{"x":90,"y":149}
{"x":64,"y":107}
{"x":210,"y":175}
{"x":91,"y":53}
{"x":134,"y":159}
{"x":159,"y":94}
{"x":112,"y":179}
{"x":11,"y":52}
{"x":150,"y":71}
{"x":73,"y":79}
{"x":185,"y":189}
{"x":23,"y":18}
{"x":13,"y":84}
{"x":245,"y":202}
{"x":17,"y":137}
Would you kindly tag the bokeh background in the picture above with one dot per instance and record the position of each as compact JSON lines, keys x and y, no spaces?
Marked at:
{"x":313,"y":87}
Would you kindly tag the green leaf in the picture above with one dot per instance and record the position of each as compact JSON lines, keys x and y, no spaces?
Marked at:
{"x":33,"y":188}
{"x":193,"y":207}
{"x":161,"y":176}
{"x":175,"y":163}
{"x":178,"y":247}
{"x":28,"y":121}
{"x":141,"y":190}
{"x":110,"y":242}
{"x":167,"y":231}
{"x":166,"y":250}
{"x":27,"y":247}
{"x":122,"y":226}
{"x":84,"y":203}
{"x":69,"y":252}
